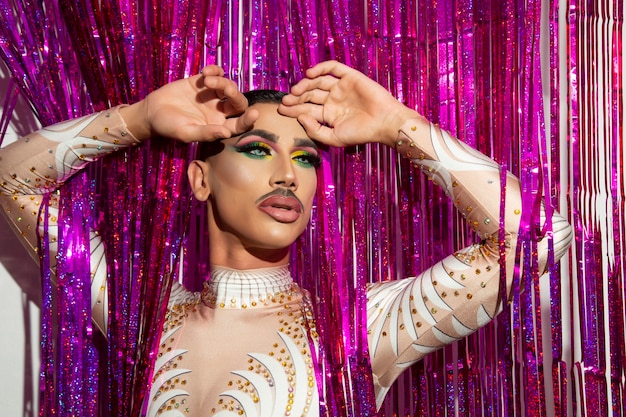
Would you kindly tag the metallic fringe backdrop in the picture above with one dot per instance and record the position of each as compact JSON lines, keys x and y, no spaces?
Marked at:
{"x":535,"y":84}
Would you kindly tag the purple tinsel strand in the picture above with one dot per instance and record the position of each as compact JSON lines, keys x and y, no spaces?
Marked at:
{"x":78,"y":370}
{"x":506,"y":126}
{"x":535,"y":392}
{"x":484,"y":115}
{"x":47,"y":398}
{"x":574,"y":139}
{"x":331,"y":330}
{"x":584,"y":138}
{"x":617,"y":286}
{"x":559,"y":367}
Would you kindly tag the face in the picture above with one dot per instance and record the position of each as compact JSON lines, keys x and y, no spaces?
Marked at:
{"x":262,"y":184}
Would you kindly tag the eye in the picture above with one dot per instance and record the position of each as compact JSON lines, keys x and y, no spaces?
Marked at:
{"x":257,"y":150}
{"x":306,"y":159}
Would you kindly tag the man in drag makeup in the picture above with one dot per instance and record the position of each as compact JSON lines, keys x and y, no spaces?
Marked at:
{"x":241,"y":346}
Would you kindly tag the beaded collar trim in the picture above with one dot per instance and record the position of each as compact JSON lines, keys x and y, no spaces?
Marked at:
{"x":241,"y":289}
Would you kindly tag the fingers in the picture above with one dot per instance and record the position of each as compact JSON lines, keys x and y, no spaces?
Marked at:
{"x":316,"y":96}
{"x":212,"y":70}
{"x":235,"y":102}
{"x":223,"y":86}
{"x":198,"y":132}
{"x":308,"y":97}
{"x":314,"y":111}
{"x":212,"y":84}
{"x":307,"y":85}
{"x":243,"y":123}
{"x":315,"y":130}
{"x":290,"y":110}
{"x":202,"y":133}
{"x":334,"y":68}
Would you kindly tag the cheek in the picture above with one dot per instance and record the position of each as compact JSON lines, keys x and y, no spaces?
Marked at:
{"x":309,"y":188}
{"x":235,"y":177}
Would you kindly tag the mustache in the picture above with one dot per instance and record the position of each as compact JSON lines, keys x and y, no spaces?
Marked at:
{"x":283,"y":192}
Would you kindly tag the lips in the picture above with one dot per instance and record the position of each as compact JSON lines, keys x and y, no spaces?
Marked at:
{"x":282,"y":209}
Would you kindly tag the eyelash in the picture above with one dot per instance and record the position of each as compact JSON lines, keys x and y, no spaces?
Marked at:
{"x":251,"y":149}
{"x":307,"y":159}
{"x":259,"y":150}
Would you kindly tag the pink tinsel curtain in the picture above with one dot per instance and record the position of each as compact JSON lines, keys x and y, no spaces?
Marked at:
{"x":548,"y":108}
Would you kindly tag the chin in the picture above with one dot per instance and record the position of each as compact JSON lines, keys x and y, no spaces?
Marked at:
{"x":278,"y":237}
{"x":277,"y":241}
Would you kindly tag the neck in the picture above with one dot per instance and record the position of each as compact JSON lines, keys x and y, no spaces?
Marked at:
{"x":250,"y":258}
{"x":237,"y":289}
{"x":226,"y":248}
{"x":246,"y":257}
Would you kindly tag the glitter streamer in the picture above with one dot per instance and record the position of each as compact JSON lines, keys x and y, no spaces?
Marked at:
{"x":35,"y":51}
{"x":593,"y":193}
{"x":584,"y":214}
{"x":506,"y":127}
{"x":76,"y":356}
{"x":47,"y":387}
{"x":617,"y":275}
{"x":457,"y":62}
{"x":559,"y":367}
{"x":55,"y":96}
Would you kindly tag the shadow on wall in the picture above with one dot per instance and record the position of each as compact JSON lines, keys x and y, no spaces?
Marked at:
{"x":22,"y":120}
{"x":21,"y":269}
{"x":20,"y":266}
{"x":14,"y":255}
{"x":25,"y":272}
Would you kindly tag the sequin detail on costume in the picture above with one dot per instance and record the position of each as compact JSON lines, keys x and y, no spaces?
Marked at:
{"x":255,"y":376}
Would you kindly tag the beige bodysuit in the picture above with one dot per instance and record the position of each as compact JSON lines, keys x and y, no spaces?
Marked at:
{"x":240,"y":347}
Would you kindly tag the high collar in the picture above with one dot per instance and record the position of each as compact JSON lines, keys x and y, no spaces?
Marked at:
{"x":251,"y":288}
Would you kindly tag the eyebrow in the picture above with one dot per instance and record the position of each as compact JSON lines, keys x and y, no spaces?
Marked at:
{"x":259,"y":132}
{"x":306,"y":142}
{"x":300,"y":142}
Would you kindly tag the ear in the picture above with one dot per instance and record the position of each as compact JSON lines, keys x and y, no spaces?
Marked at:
{"x":198,"y":174}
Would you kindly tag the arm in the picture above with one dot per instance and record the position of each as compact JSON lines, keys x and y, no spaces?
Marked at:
{"x":40,"y":163}
{"x":409,"y":318}
{"x":204,"y":107}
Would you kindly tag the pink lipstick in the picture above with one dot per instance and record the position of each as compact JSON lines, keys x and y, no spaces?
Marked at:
{"x":282,"y":208}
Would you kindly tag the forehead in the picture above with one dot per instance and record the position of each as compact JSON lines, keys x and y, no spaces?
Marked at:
{"x":271,"y":121}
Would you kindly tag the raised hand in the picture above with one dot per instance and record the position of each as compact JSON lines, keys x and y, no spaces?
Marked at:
{"x":340,"y":106}
{"x":203,"y":107}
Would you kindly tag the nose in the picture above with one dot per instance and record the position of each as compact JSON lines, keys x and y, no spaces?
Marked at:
{"x":284,"y":174}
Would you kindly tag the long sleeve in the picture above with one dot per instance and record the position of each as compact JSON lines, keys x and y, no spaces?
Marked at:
{"x":412,"y":317}
{"x":39,"y":163}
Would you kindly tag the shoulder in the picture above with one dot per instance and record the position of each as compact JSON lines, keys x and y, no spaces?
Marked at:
{"x":180,"y":295}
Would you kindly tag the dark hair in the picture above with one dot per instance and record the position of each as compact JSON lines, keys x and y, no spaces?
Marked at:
{"x":264,"y":96}
{"x":206,"y":149}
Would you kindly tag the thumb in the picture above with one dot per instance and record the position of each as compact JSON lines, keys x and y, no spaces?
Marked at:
{"x":202,"y":133}
{"x":243,"y":122}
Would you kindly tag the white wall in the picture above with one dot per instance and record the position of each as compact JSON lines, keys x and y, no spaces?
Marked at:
{"x":20,"y":297}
